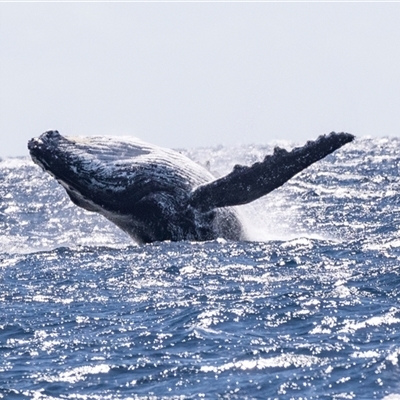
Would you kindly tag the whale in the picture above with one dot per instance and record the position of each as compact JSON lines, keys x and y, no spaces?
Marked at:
{"x":157,"y":194}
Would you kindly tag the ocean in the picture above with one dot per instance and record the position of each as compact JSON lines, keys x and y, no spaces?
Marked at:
{"x":308,"y":309}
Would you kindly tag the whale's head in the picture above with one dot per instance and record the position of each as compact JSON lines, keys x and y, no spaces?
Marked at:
{"x":95,"y":172}
{"x":109,"y":172}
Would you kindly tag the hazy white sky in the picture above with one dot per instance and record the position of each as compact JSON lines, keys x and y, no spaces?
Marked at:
{"x":194,"y":74}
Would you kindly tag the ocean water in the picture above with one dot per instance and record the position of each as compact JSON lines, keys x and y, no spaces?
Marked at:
{"x":309,"y":309}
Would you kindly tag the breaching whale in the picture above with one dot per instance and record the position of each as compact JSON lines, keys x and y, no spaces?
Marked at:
{"x":157,"y":194}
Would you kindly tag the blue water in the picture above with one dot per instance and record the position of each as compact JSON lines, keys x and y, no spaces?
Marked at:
{"x":308,"y":310}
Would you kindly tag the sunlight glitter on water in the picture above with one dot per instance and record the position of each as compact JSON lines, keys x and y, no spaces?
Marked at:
{"x":74,"y":375}
{"x":283,"y":361}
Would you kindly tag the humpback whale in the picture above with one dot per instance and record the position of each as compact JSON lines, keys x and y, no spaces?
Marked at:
{"x":157,"y":194}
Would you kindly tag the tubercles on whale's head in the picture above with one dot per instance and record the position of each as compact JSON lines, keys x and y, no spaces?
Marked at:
{"x":71,"y":166}
{"x":36,"y":145}
{"x":44,"y":149}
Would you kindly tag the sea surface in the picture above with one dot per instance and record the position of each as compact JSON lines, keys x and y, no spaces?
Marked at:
{"x":308,"y":309}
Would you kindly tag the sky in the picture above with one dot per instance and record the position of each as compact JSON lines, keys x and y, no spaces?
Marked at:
{"x":184,"y":75}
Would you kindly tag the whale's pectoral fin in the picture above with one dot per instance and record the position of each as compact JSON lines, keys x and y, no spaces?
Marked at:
{"x":245,"y":184}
